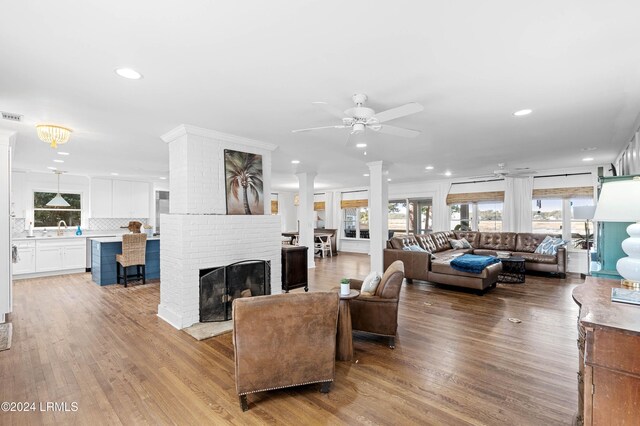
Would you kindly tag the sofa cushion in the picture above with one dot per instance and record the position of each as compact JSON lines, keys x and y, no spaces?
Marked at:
{"x":472,"y":236}
{"x":528,"y":242}
{"x":537,"y":258}
{"x":550,"y":245}
{"x":485,"y":252}
{"x":503,"y":241}
{"x":426,"y":242}
{"x":400,"y":242}
{"x":441,"y":240}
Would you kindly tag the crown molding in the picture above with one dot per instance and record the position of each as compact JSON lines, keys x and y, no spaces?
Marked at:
{"x":186,"y":129}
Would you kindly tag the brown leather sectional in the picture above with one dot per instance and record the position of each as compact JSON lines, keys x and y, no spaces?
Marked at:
{"x":420,"y":266}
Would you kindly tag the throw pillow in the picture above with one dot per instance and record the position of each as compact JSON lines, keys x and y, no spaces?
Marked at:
{"x":370,"y":284}
{"x":413,"y":248}
{"x":550,"y":245}
{"x":460,"y":244}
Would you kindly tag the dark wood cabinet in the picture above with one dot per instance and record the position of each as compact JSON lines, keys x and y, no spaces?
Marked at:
{"x":608,"y":344}
{"x":294,"y":268}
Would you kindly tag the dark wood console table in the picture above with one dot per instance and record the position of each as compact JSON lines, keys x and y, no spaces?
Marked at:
{"x":609,"y":365}
{"x":295,"y":273}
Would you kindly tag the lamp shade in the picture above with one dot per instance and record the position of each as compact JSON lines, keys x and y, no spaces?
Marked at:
{"x":619,"y":201}
{"x":583,"y":212}
{"x":58,"y":201}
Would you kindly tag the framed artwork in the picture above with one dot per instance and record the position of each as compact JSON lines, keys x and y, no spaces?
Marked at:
{"x":243,"y":182}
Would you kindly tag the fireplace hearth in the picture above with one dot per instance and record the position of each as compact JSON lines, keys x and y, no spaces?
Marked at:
{"x":219,"y":286}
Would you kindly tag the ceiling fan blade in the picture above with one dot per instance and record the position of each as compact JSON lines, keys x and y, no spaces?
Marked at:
{"x":330,"y":109}
{"x":318,"y":128}
{"x":397,"y":131}
{"x":401,"y":111}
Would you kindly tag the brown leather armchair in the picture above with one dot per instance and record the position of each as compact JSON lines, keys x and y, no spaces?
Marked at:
{"x":284,"y":340}
{"x":378,"y":314}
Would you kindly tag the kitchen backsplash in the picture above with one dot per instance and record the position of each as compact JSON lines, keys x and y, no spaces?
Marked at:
{"x":107,"y":224}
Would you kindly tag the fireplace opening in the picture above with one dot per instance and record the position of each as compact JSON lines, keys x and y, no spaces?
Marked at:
{"x":221,"y":285}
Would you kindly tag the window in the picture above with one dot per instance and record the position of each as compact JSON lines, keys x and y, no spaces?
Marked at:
{"x":547,"y":216}
{"x":50,"y":216}
{"x":490,"y":216}
{"x":397,"y":218}
{"x":461,"y":216}
{"x":420,"y":219}
{"x":356,"y":222}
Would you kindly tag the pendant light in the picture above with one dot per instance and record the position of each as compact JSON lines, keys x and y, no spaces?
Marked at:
{"x":58,"y":201}
{"x":53,"y":134}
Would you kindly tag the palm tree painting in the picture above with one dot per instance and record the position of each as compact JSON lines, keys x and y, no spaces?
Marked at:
{"x":243,"y":173}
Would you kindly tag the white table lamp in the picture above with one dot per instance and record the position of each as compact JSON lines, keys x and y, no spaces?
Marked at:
{"x":585,"y":213}
{"x":620,"y":202}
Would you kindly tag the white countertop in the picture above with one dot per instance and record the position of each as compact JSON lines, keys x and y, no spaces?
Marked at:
{"x":53,"y":236}
{"x":118,"y":239}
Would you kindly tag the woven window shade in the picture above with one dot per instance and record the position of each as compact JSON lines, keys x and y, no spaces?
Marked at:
{"x":349,"y":204}
{"x":318,"y":205}
{"x":473,"y":197}
{"x":573,"y":192}
{"x":274,"y":207}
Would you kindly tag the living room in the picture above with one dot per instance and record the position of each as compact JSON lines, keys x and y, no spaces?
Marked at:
{"x":377,"y":124}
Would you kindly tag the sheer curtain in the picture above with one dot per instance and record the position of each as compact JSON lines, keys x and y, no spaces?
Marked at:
{"x":516,"y":214}
{"x":441,"y":217}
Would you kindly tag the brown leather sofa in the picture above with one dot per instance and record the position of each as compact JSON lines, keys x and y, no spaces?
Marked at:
{"x":420,"y":266}
{"x":378,"y":313}
{"x":272,"y":348}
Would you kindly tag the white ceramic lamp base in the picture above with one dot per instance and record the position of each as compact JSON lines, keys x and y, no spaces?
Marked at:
{"x":629,"y":267}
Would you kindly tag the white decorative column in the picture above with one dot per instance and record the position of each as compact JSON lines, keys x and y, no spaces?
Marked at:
{"x":305,"y":213}
{"x":7,"y":139}
{"x":378,"y":212}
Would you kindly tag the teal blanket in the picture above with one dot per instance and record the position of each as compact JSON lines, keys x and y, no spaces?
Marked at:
{"x":472,"y":263}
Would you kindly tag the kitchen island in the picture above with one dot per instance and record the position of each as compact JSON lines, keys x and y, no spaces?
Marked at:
{"x":103,"y":259}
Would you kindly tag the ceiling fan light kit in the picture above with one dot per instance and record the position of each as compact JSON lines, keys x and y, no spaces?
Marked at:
{"x":361,"y":118}
{"x":53,"y":134}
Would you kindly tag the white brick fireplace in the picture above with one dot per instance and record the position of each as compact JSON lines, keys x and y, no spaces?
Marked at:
{"x":197,"y":234}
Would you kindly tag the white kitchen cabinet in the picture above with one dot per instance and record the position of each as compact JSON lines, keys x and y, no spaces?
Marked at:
{"x":26,"y":257}
{"x":60,"y":255}
{"x":122,"y":196}
{"x":140,"y":199}
{"x":101,"y":198}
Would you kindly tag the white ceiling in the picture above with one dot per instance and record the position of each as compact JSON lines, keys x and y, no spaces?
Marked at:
{"x":252,"y":68}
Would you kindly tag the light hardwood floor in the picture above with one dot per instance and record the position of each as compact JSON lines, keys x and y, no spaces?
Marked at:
{"x":458,"y":360}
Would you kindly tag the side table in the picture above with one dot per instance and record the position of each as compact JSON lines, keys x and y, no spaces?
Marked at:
{"x":344,"y":338}
{"x":512,"y":270}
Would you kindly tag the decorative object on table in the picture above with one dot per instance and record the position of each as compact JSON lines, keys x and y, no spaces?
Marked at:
{"x":134,"y":227}
{"x":585,"y":213}
{"x":344,"y":287}
{"x":625,"y":295}
{"x":30,"y":235}
{"x":620,"y":202}
{"x":148,"y":229}
{"x":244,"y":185}
{"x":58,"y":201}
{"x":53,"y":134}
{"x":78,"y":231}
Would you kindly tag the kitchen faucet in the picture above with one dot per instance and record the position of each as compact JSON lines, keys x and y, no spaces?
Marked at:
{"x":60,"y":231}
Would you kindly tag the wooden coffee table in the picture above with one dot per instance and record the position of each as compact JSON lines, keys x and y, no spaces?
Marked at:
{"x":344,"y":339}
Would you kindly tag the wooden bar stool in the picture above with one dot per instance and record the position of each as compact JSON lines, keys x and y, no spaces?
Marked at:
{"x":134,"y":247}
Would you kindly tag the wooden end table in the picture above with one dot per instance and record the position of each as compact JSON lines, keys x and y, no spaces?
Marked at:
{"x":344,"y":339}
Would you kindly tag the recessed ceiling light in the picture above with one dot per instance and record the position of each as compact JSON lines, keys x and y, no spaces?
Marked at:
{"x":587,"y":159}
{"x":295,"y":161}
{"x":62,"y":153}
{"x":52,"y":168}
{"x":58,"y":161}
{"x":366,"y":175}
{"x":522,"y":112}
{"x":114,"y":174}
{"x":447,"y":173}
{"x":361,"y":145}
{"x":163,"y":178}
{"x":388,"y":179}
{"x":128,"y":73}
{"x":429,"y":168}
{"x":590,"y":148}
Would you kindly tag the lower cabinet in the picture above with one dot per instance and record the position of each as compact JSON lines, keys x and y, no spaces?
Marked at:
{"x":26,"y":257}
{"x":60,"y":255}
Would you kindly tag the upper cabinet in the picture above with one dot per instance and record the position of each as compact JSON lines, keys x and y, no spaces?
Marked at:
{"x":120,"y":198}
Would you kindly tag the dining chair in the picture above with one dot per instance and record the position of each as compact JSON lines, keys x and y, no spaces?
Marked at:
{"x":323,"y":245}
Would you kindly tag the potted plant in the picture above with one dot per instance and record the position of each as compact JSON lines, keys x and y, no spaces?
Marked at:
{"x":344,"y":287}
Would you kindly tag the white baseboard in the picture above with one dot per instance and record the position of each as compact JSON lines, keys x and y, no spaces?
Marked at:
{"x":49,"y":274}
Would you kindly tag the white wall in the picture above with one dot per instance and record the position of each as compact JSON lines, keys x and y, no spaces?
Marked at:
{"x":287,"y":211}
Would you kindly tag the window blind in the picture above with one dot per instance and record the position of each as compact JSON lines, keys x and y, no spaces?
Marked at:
{"x":474,"y":197}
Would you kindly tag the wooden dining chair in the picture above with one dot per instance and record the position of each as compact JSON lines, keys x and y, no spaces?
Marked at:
{"x":323,"y":245}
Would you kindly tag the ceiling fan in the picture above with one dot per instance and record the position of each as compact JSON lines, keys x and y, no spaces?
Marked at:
{"x":502,"y":172}
{"x":359,"y":118}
